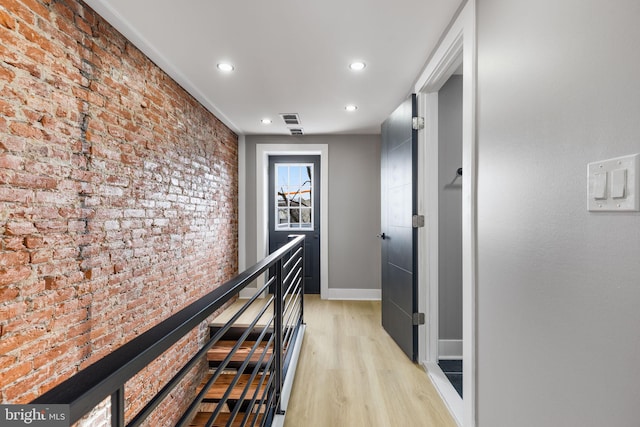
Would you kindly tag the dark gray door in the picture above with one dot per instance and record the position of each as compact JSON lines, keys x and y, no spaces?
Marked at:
{"x":399,"y":238}
{"x":294,"y":208}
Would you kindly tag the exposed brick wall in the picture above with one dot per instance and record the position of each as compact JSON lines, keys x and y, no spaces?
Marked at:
{"x":118,"y":195}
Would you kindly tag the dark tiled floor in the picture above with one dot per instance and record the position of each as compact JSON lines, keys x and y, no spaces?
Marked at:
{"x":453,"y":370}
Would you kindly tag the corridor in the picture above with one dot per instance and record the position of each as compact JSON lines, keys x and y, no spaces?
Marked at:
{"x":352,"y":374}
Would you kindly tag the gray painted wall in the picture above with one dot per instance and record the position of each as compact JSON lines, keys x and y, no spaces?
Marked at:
{"x":558,"y":286}
{"x":450,"y":210}
{"x":354,"y":205}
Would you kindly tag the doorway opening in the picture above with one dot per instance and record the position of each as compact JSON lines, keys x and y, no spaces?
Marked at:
{"x":450,"y":230}
{"x":456,"y":53}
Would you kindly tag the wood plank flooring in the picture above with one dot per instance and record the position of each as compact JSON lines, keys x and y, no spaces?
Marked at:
{"x":222,"y":383}
{"x":252,"y":311}
{"x":352,"y":374}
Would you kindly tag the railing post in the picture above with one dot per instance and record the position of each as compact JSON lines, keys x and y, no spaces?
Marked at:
{"x":278,"y":331}
{"x":117,"y":408}
{"x":302,"y":284}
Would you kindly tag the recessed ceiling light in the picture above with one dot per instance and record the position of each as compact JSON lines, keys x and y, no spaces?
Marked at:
{"x":357,"y":66}
{"x":265,"y":121}
{"x":226,"y":67}
{"x":351,"y":108}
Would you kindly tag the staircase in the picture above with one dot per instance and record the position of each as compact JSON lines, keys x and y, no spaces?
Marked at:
{"x":221,"y":420}
{"x":244,"y":363}
{"x":242,"y":369}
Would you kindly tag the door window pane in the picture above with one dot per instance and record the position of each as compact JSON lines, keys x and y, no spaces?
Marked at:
{"x":282,"y":200}
{"x":282,"y":174}
{"x":294,"y":196}
{"x":305,"y":217}
{"x":283,"y":217}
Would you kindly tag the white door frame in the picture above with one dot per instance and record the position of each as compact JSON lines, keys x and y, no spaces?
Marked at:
{"x":263,"y":151}
{"x":457,"y":47}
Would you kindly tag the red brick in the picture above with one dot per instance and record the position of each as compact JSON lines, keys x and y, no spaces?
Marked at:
{"x":6,"y":75}
{"x":19,"y":10}
{"x":6,"y":361}
{"x":62,"y":10}
{"x":14,"y":243}
{"x":25,"y":130}
{"x":33,"y":242}
{"x":28,"y":66}
{"x":17,"y":370}
{"x":22,"y":392}
{"x":12,"y":275}
{"x":7,"y":293}
{"x":37,"y":7}
{"x":12,"y":310}
{"x":7,"y":20}
{"x":83,"y":25}
{"x":8,"y":259}
{"x":42,"y":212}
{"x":53,"y":355}
{"x":9,"y":161}
{"x":36,"y":318}
{"x":18,"y":339}
{"x":34,"y":181}
{"x":19,"y":228}
{"x":48,"y":122}
{"x":7,"y":177}
{"x":7,"y":109}
{"x":41,"y":256}
{"x":16,"y":195}
{"x":12,"y":144}
{"x":54,"y":198}
{"x":37,"y":54}
{"x":70,"y":29}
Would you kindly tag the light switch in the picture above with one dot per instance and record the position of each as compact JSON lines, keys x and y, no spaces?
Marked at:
{"x":618,"y":183}
{"x":600,"y":186}
{"x":614,"y":184}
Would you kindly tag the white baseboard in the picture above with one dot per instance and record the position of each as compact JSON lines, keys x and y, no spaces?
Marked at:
{"x":449,"y":394}
{"x":354,"y":294}
{"x":247,"y":293}
{"x":450,"y":349}
{"x":291,"y":371}
{"x":278,"y":421}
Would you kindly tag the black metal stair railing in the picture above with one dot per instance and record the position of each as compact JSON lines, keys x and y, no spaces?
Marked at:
{"x":252,"y":395}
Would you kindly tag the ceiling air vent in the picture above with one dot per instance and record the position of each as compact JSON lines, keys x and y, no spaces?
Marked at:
{"x":296,"y":131}
{"x":290,"y":119}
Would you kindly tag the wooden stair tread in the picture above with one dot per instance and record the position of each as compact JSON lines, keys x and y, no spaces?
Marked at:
{"x":221,"y":385}
{"x":221,"y":420}
{"x":222,"y":348}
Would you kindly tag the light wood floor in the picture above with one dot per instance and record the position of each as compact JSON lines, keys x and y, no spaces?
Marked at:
{"x":251,"y":313}
{"x":352,"y":374}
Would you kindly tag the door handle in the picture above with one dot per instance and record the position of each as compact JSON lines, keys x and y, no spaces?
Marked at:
{"x":382,"y":236}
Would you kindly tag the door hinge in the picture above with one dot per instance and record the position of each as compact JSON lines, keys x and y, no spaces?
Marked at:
{"x":418,"y":123}
{"x":417,"y":221}
{"x":418,"y":319}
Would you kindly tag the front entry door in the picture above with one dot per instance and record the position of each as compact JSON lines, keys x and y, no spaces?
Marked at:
{"x":294,"y":208}
{"x":399,"y":237}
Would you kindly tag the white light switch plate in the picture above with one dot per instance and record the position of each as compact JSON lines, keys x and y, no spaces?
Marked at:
{"x":620,"y":176}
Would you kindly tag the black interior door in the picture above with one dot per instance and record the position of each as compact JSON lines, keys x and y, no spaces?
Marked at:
{"x":294,"y":208}
{"x":399,"y":238}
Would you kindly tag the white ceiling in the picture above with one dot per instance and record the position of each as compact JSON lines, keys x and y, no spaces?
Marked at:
{"x":290,"y":56}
